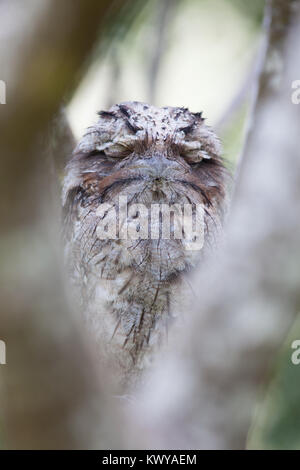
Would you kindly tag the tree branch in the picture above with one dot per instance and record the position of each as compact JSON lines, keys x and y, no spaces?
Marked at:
{"x":209,"y":380}
{"x":51,"y":395}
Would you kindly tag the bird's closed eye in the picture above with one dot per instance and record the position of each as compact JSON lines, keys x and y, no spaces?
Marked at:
{"x":114,"y":151}
{"x":117,"y":150}
{"x":193,"y":159}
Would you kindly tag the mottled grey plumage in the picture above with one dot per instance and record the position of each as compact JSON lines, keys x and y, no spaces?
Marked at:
{"x":127,"y":287}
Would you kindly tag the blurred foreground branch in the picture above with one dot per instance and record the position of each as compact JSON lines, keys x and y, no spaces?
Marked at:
{"x":203,"y":394}
{"x":51,"y":396}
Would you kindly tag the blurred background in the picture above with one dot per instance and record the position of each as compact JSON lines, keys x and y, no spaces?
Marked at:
{"x":194,"y":53}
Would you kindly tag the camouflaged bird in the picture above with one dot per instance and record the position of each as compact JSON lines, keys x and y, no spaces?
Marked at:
{"x":128,"y":287}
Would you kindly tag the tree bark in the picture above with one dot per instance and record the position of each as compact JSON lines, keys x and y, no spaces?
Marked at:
{"x":53,"y":393}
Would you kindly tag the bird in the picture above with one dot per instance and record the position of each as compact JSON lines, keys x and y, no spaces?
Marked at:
{"x":127,"y":276}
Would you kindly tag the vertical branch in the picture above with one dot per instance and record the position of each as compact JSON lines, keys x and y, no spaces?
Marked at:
{"x":164,"y":13}
{"x":209,"y":380}
{"x":51,"y":395}
{"x":115,"y":75}
{"x":276,"y":19}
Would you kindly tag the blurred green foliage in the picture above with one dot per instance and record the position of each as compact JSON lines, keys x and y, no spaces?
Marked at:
{"x":254,"y":9}
{"x":277,"y":421}
{"x":232,"y":137}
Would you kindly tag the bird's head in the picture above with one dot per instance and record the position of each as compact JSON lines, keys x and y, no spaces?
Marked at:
{"x":160,"y":154}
